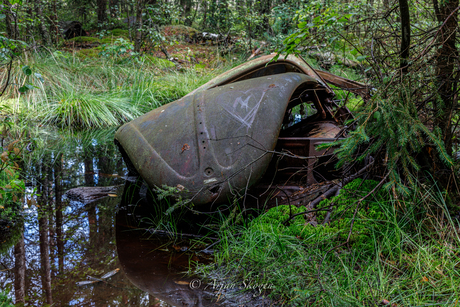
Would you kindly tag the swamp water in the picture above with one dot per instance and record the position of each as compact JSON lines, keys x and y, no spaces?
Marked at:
{"x":88,"y":252}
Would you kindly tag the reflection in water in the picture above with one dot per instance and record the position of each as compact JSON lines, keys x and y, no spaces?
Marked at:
{"x":155,"y":267}
{"x":156,"y":263}
{"x":65,"y":242}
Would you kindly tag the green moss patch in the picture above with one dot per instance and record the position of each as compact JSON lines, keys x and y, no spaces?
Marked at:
{"x":88,"y":53}
{"x":368,"y":216}
{"x":120,"y":33}
{"x":84,"y":39}
{"x":158,"y":62}
{"x":112,"y":39}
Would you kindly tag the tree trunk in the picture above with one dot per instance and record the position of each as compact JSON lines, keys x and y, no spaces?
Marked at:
{"x":114,"y":8}
{"x":55,"y":27}
{"x":405,"y":35}
{"x":43,"y":227}
{"x":186,"y":6}
{"x":20,"y":271}
{"x":42,"y":29}
{"x":11,"y":24}
{"x":138,"y":36}
{"x":29,"y":33}
{"x":205,"y":11}
{"x":59,"y":216}
{"x":101,"y":13}
{"x":446,"y":56}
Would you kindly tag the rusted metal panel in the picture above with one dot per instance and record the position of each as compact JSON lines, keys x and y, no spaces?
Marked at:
{"x":263,"y":66}
{"x":355,"y":87}
{"x":219,"y":139}
{"x":214,"y":142}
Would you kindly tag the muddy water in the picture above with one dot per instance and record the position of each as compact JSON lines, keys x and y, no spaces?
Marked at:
{"x":66,"y":246}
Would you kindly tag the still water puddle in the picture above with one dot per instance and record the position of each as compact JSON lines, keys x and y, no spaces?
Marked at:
{"x":80,"y":246}
{"x":71,"y":253}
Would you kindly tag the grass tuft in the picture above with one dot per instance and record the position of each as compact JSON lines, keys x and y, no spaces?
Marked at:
{"x":84,"y":90}
{"x":403,"y":252}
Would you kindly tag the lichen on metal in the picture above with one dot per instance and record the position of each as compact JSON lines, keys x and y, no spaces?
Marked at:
{"x":220,"y":138}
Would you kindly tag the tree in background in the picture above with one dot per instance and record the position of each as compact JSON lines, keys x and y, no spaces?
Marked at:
{"x":409,"y":124}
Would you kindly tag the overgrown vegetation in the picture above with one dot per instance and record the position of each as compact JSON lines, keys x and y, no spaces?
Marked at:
{"x":400,"y":253}
{"x":98,"y":92}
{"x":398,"y":245}
{"x":5,"y":301}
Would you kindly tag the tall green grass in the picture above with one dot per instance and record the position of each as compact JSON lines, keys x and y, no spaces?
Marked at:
{"x":96,"y":92}
{"x":407,"y":254}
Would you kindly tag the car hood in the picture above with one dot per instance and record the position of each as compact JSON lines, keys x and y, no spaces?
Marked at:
{"x":215,"y":142}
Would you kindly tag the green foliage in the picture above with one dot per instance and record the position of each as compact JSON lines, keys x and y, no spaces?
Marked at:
{"x":315,"y":18}
{"x":5,"y":301}
{"x":9,"y":48}
{"x":158,"y":62}
{"x":391,"y":128}
{"x":220,"y":17}
{"x":119,"y":47}
{"x":120,"y":33}
{"x":402,"y":256}
{"x":87,"y":92}
{"x":12,"y":187}
{"x":368,"y":215}
{"x":88,"y":53}
{"x":85,"y":110}
{"x":84,"y":39}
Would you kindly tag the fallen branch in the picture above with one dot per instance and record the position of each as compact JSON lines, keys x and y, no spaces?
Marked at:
{"x":257,"y":51}
{"x":175,"y":234}
{"x":329,"y":212}
{"x":331,"y":191}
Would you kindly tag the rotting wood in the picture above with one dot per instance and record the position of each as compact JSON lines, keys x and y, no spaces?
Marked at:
{"x":88,"y":195}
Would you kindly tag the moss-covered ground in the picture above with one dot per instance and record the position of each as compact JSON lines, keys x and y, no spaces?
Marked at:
{"x":398,"y":253}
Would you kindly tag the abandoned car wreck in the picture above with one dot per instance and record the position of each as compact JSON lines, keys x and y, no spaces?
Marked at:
{"x":255,"y":127}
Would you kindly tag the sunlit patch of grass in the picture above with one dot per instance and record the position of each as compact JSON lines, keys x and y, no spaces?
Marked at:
{"x":83,"y":110}
{"x":95,"y":92}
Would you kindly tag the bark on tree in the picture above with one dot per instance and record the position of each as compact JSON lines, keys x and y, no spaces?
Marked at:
{"x":204,"y":4}
{"x":405,"y":35}
{"x":138,"y":36}
{"x":101,"y":12}
{"x":58,"y":209}
{"x":43,"y":227}
{"x":11,"y":24}
{"x":20,"y":271}
{"x":264,"y":10}
{"x":54,"y":19}
{"x":42,"y":29}
{"x":29,"y":36}
{"x":446,"y":57}
{"x":114,"y":8}
{"x":186,"y":9}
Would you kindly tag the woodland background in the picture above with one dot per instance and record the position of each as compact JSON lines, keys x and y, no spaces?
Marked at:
{"x":58,"y":94}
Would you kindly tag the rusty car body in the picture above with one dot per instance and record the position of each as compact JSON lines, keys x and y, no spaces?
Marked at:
{"x":256,"y":125}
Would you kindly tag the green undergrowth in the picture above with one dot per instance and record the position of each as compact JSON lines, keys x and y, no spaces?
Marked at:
{"x":109,"y":38}
{"x":398,"y":251}
{"x":11,"y":188}
{"x":5,"y":301}
{"x":84,"y":39}
{"x":97,"y":91}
